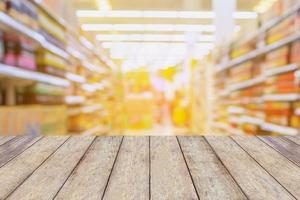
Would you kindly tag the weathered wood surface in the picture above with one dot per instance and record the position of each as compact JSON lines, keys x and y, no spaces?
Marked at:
{"x":138,"y":168}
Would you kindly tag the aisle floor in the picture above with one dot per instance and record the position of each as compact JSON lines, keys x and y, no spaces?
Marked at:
{"x":138,"y":168}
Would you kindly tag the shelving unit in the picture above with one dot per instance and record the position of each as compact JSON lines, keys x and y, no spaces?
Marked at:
{"x":85,"y":67}
{"x":258,"y":92}
{"x":19,"y":73}
{"x":10,"y":22}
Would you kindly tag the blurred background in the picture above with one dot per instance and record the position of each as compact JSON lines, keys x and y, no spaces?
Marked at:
{"x":141,"y":67}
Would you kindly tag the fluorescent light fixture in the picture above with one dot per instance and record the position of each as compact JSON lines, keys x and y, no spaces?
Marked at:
{"x":264,"y":5}
{"x":103,"y":5}
{"x":157,"y":45}
{"x":151,"y":27}
{"x":160,"y":14}
{"x":245,"y":15}
{"x":151,"y":37}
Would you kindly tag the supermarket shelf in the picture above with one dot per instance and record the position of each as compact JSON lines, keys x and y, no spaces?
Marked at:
{"x":61,"y":21}
{"x":247,"y":83}
{"x":75,"y":78}
{"x":252,"y":120}
{"x":236,"y":120}
{"x":258,"y":52}
{"x":71,"y":100}
{"x":273,"y":23}
{"x":12,"y":23}
{"x":279,"y":129}
{"x":281,"y":97}
{"x":236,"y":110}
{"x":85,"y":109}
{"x":281,"y":70}
{"x":17,"y":72}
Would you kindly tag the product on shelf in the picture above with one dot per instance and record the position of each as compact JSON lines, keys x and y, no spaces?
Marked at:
{"x":40,"y":93}
{"x":282,"y":30}
{"x":239,"y":50}
{"x":295,"y":52}
{"x":284,"y":83}
{"x":241,"y":73}
{"x":27,"y":57}
{"x":51,"y":29}
{"x":23,"y":11}
{"x":277,"y":58}
{"x":19,"y":51}
{"x":51,"y":64}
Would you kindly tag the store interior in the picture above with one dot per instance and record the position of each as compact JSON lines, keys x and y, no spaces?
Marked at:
{"x":141,"y":67}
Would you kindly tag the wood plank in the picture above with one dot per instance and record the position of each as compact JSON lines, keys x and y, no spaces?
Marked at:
{"x":45,"y":182}
{"x":170,"y":178}
{"x":4,"y":139}
{"x":88,"y":181}
{"x":214,"y":182}
{"x":286,"y":147}
{"x":15,"y":146}
{"x":130,"y":176}
{"x":20,"y":168}
{"x":284,"y":171}
{"x":295,"y":139}
{"x":252,"y":178}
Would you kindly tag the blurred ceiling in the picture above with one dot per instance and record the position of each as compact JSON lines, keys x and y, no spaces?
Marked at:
{"x":149,"y":51}
{"x":195,"y":5}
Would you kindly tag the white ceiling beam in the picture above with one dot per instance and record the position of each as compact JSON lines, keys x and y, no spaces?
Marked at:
{"x":224,"y":20}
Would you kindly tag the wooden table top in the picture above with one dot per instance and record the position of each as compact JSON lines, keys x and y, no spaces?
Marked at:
{"x":137,"y":168}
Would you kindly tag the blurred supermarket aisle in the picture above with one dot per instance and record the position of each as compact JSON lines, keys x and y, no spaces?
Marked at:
{"x":140,"y":67}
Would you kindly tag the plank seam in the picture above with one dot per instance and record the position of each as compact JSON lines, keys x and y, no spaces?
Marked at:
{"x":218,"y":157}
{"x":279,"y":152}
{"x":288,"y":139}
{"x":17,"y":155}
{"x":76,"y":166}
{"x":111,"y":171}
{"x":149,"y":146}
{"x":22,"y":182}
{"x":262,"y":166}
{"x":7,"y":141}
{"x":188,"y":169}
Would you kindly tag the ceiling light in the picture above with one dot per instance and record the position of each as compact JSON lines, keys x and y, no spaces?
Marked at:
{"x":264,"y":5}
{"x":150,"y":27}
{"x":103,"y":5}
{"x":155,"y":45}
{"x":151,"y":37}
{"x":160,"y":14}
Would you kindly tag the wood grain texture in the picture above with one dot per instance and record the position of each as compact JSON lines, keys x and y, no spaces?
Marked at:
{"x":170,"y":178}
{"x":17,"y":170}
{"x":253,"y":179}
{"x":47,"y":180}
{"x":88,"y":181}
{"x":130,"y":176}
{"x":15,"y":146}
{"x":286,"y":147}
{"x":214,"y":182}
{"x":4,"y":139}
{"x":295,"y":139}
{"x":284,"y":171}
